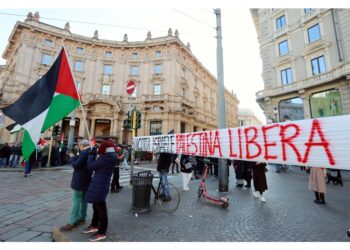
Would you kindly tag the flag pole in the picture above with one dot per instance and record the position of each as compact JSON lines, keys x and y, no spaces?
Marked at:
{"x":81,"y":106}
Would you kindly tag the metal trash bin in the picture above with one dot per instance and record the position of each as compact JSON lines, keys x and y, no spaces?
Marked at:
{"x":141,"y":190}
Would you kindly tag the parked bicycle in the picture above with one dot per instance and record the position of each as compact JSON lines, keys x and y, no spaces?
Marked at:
{"x":167,"y":203}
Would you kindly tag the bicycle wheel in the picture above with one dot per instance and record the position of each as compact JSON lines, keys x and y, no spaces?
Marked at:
{"x":169,"y":204}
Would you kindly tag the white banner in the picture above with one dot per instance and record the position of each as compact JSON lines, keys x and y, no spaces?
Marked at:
{"x":321,"y":142}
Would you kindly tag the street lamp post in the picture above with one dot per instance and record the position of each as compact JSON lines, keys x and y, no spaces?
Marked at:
{"x":221,"y":106}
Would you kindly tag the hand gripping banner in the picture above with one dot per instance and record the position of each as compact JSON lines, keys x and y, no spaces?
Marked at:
{"x":321,"y":142}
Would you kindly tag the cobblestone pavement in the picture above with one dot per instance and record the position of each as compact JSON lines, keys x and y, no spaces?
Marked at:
{"x":31,"y":207}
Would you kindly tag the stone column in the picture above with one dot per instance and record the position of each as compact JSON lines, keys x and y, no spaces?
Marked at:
{"x":82,"y":131}
{"x":92,"y":127}
{"x":111,"y":128}
{"x":306,"y":105}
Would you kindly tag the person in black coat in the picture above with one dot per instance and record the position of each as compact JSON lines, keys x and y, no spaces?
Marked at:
{"x":163,"y":166}
{"x":259,"y":179}
{"x":186,"y":170}
{"x":239,"y":171}
{"x":80,"y":183}
{"x":102,"y":169}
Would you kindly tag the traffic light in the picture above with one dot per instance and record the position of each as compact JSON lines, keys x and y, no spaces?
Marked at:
{"x":138,"y":119}
{"x":55,"y":130}
{"x":127,"y":121}
{"x":59,"y":130}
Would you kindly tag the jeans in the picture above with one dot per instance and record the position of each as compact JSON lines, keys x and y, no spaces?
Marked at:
{"x":164,"y":178}
{"x":125,"y":164}
{"x":3,"y":161}
{"x":100,"y":217}
{"x":79,"y":207}
{"x":14,"y":161}
{"x":28,"y":168}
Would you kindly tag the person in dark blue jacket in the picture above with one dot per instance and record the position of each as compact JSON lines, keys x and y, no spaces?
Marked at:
{"x":80,"y":183}
{"x":102,"y":169}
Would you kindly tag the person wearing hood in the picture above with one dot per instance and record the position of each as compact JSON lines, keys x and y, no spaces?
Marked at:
{"x":102,"y":169}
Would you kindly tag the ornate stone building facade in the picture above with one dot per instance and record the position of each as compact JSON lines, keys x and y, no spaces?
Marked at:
{"x":306,"y":62}
{"x":173,"y":89}
{"x":246,"y":117}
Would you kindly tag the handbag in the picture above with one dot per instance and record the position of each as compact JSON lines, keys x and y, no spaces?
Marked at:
{"x":177,"y":160}
{"x":188,"y":165}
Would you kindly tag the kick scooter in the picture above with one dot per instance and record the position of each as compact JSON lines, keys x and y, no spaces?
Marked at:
{"x":203,"y":194}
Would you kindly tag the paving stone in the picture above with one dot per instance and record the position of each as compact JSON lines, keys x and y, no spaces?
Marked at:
{"x":25,"y":236}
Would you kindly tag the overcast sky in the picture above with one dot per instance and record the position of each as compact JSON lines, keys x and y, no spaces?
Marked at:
{"x":242,"y":62}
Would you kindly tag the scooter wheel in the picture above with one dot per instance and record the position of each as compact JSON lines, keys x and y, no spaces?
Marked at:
{"x":200,"y":193}
{"x":225,"y":205}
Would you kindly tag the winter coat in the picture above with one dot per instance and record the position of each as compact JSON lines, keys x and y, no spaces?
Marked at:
{"x":317,"y":182}
{"x":185,"y":159}
{"x":239,"y":169}
{"x":5,"y":151}
{"x":103,"y":169}
{"x":164,"y":162}
{"x":81,"y":175}
{"x":259,"y":177}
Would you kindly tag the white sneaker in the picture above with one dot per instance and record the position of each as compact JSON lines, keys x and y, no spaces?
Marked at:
{"x":256,"y":194}
{"x":186,"y":189}
{"x":262,"y":198}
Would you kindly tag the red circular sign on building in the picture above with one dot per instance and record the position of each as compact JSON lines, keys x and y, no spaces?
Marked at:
{"x":130,"y":87}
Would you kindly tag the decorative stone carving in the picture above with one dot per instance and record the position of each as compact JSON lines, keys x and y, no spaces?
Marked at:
{"x":170,"y":32}
{"x":125,"y":39}
{"x":67,"y":26}
{"x":149,"y":35}
{"x":29,"y":16}
{"x":36,"y":16}
{"x":95,"y":35}
{"x":188,"y":46}
{"x":176,"y":33}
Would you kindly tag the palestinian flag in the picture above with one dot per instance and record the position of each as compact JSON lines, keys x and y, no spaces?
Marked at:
{"x":45,"y":103}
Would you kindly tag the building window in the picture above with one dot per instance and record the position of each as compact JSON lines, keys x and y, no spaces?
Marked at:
{"x":80,"y":50}
{"x":135,"y":55}
{"x":281,"y":22}
{"x":314,"y":33}
{"x":318,"y":65}
{"x":107,"y":69}
{"x":48,"y":42}
{"x":286,"y":76}
{"x":78,"y":84}
{"x":155,"y":128}
{"x":134,"y":94}
{"x":283,"y":48}
{"x":79,"y":66}
{"x":158,"y":53}
{"x":108,"y":53}
{"x":134,"y":70}
{"x":182,"y":127}
{"x":183,"y":75}
{"x":326,"y":103}
{"x":157,"y":89}
{"x":105,"y":90}
{"x":291,"y":109}
{"x":46,"y":59}
{"x":158,"y":69}
{"x":307,"y":11}
{"x":195,"y":129}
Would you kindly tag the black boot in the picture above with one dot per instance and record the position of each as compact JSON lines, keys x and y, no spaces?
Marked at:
{"x":317,"y":198}
{"x":322,"y":201}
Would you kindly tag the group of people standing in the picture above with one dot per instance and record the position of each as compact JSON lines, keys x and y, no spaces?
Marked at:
{"x":93,"y":170}
{"x":10,"y":156}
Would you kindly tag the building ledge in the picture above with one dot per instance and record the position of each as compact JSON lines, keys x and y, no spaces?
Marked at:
{"x":341,"y":71}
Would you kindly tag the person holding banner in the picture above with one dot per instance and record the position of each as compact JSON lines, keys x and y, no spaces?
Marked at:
{"x":163,"y":169}
{"x":317,"y":183}
{"x":186,"y":170}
